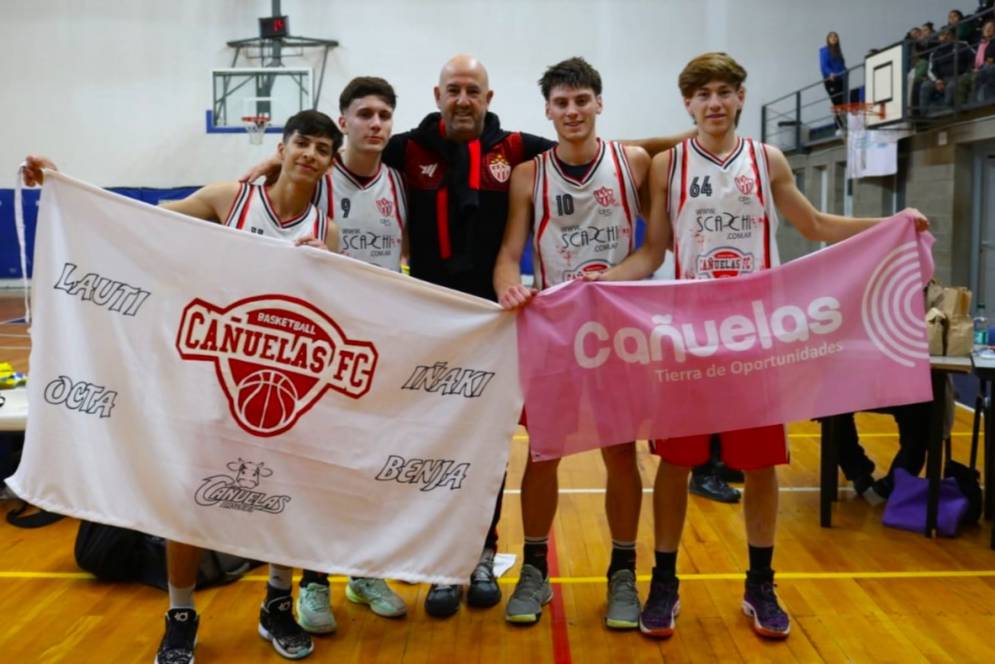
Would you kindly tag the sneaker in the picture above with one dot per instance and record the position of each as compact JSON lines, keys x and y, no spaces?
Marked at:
{"x":730,"y":475}
{"x":623,"y":601}
{"x":484,"y":591}
{"x":314,"y":612}
{"x":276,"y":625}
{"x":531,"y":593}
{"x":180,"y":638}
{"x":377,"y":594}
{"x":866,"y":488}
{"x":659,"y":616}
{"x":760,"y":603}
{"x":442,"y":601}
{"x":712,"y":487}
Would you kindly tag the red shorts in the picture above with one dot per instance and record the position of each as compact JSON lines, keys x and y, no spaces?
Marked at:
{"x":744,"y":449}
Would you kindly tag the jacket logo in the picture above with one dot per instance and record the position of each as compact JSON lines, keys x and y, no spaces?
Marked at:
{"x":499,"y":167}
{"x":275,"y":356}
{"x":428,"y":170}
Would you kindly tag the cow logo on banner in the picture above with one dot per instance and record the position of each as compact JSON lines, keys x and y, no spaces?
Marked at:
{"x":239,"y":491}
{"x":275,"y":356}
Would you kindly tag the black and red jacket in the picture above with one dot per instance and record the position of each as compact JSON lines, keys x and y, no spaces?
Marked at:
{"x":458,"y":199}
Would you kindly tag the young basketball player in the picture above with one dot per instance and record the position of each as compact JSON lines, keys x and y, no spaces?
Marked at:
{"x":580,"y":201}
{"x":283,"y":210}
{"x":715,"y":193}
{"x":366,"y":200}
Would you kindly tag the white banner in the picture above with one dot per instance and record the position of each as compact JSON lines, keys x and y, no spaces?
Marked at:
{"x":237,"y":393}
{"x":869,"y":152}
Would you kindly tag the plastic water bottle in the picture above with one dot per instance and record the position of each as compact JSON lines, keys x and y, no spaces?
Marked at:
{"x":980,"y":329}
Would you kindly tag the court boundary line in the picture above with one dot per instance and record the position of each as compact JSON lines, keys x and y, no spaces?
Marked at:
{"x":577,"y":580}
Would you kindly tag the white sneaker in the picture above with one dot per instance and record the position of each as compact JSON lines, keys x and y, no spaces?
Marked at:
{"x":377,"y":594}
{"x":314,"y":612}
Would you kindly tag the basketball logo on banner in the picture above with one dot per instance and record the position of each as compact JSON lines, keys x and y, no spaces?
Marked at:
{"x":887,"y":307}
{"x":275,"y":356}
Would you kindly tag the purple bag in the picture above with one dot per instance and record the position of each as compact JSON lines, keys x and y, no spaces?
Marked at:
{"x":906,"y":508}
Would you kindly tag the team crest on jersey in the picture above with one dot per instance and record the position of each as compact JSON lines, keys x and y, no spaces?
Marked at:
{"x":589,"y":267}
{"x":385,"y":207}
{"x":745,"y":184}
{"x":725,"y":262}
{"x":499,"y":167}
{"x":605,"y":196}
{"x":275,"y":356}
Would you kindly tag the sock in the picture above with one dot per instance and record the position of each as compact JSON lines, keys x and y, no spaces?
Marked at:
{"x":534,"y":553}
{"x":280,"y":579}
{"x":310,"y":576}
{"x":180,"y":598}
{"x":760,"y":560}
{"x":623,"y":557}
{"x":666,"y":565}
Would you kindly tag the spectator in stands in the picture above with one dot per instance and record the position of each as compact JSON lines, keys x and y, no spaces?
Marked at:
{"x":927,"y":37}
{"x":949,"y":73}
{"x":965,"y":31}
{"x":833,"y":67}
{"x":984,"y":64}
{"x":913,"y":432}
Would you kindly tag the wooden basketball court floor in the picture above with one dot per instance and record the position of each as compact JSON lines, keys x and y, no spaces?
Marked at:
{"x":857,"y":592}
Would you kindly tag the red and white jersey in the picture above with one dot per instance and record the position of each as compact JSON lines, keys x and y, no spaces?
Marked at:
{"x":253,"y":211}
{"x":586,"y":224}
{"x":721,"y":210}
{"x":370,"y":217}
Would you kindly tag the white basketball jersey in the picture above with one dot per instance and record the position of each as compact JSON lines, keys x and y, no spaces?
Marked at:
{"x":722,"y":213}
{"x":586,"y":224}
{"x":370,"y":218}
{"x":252,"y":211}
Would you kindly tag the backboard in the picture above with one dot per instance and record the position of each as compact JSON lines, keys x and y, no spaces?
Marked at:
{"x":278,"y":92}
{"x":884,"y":85}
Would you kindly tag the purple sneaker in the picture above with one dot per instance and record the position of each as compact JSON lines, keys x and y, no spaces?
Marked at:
{"x":760,"y":603}
{"x":659,"y":614}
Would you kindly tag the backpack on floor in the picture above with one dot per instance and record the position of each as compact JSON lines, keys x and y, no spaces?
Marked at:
{"x":119,"y":554}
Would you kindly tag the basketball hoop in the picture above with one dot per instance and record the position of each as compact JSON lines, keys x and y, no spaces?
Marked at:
{"x":255,"y":127}
{"x":861,"y":108}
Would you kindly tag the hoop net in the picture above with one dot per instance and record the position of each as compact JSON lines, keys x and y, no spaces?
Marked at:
{"x":255,"y":127}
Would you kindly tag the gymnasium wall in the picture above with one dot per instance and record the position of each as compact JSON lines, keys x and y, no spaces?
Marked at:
{"x":116,"y":91}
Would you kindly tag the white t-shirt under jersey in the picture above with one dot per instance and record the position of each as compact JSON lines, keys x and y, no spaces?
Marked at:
{"x":585,"y":224}
{"x":721,"y":210}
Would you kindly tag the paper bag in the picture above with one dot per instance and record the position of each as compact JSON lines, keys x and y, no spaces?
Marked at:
{"x":936,"y":324}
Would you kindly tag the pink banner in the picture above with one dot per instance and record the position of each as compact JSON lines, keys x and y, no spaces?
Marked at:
{"x":836,"y":331}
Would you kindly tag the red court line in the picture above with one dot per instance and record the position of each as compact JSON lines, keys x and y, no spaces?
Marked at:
{"x":558,"y":617}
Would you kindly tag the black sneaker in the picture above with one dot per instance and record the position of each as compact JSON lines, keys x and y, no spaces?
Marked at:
{"x":277,"y":625}
{"x":713,"y":488}
{"x":180,"y":638}
{"x":484,"y":591}
{"x":442,"y":601}
{"x":731,"y":475}
{"x":659,"y":616}
{"x":760,"y":603}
